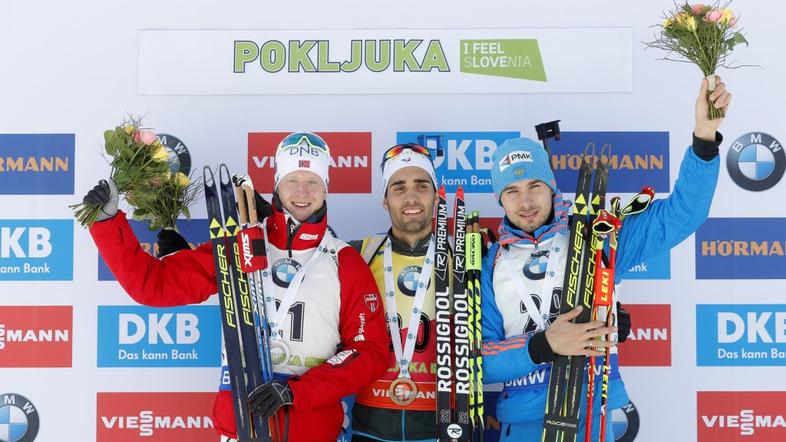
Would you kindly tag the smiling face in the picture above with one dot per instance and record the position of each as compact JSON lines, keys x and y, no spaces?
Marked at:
{"x":410,"y":198}
{"x":302,"y":193}
{"x":527,"y":204}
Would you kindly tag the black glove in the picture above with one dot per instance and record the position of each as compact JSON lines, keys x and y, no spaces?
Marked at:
{"x":169,"y":241}
{"x":623,"y":323}
{"x":264,"y":209}
{"x":104,"y":194}
{"x":266,"y":399}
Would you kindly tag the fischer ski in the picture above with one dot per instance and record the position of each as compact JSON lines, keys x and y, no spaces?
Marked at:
{"x":558,"y":422}
{"x":236,"y":318}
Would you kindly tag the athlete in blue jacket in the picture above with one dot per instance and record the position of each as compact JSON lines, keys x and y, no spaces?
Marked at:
{"x":522,"y":334}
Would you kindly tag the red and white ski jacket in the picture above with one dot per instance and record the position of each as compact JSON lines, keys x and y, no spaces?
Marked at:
{"x":342,"y":322}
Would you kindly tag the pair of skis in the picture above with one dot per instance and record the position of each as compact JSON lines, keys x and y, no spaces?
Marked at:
{"x":242,"y":314}
{"x":458,"y":333}
{"x":590,"y":284}
{"x":561,"y":420}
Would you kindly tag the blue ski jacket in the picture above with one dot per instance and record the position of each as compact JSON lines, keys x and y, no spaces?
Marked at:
{"x":666,"y":223}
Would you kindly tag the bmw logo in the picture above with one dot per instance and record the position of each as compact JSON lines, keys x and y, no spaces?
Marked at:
{"x":625,"y":422}
{"x":284,"y":271}
{"x":179,"y":157}
{"x":756,"y":161}
{"x":408,"y":280}
{"x":535,"y":268}
{"x":18,"y":419}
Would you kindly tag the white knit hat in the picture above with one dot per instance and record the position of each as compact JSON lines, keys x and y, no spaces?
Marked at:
{"x":302,"y":151}
{"x":406,"y":155}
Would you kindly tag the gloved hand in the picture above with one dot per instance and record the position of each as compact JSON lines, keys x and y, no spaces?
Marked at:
{"x":266,"y":399}
{"x":623,"y":323}
{"x":104,"y":194}
{"x":169,"y":241}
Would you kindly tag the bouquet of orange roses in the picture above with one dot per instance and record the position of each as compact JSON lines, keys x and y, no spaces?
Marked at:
{"x":703,"y":35}
{"x":140,"y":169}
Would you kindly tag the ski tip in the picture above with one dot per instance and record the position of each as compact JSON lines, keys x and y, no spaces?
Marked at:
{"x":442,"y":191}
{"x":460,"y":193}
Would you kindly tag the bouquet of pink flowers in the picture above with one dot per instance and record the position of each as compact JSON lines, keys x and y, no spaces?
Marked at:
{"x":703,"y":35}
{"x":141,"y":172}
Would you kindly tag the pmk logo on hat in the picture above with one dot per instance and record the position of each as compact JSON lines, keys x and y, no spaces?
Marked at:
{"x":512,"y":158}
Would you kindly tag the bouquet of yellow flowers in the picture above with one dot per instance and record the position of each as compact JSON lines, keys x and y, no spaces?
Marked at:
{"x":703,"y":35}
{"x":141,"y":172}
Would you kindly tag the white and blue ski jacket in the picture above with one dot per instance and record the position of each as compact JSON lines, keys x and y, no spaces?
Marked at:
{"x":507,"y":328}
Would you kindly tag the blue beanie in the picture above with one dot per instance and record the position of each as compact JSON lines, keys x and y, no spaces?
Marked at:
{"x":520,"y":159}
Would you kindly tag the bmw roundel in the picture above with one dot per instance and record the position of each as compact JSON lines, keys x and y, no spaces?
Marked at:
{"x":756,"y":161}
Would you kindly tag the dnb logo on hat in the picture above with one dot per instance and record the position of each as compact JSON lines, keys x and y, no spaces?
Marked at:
{"x":18,"y":419}
{"x":756,"y":161}
{"x":179,"y":157}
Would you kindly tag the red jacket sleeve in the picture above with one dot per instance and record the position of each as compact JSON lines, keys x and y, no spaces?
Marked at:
{"x":363,"y":356}
{"x":185,"y":277}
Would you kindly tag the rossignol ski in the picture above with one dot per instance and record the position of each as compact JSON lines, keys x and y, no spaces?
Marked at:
{"x":461,"y":334}
{"x":443,"y":332}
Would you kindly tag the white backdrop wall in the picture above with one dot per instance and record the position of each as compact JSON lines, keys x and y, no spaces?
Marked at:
{"x":78,"y":68}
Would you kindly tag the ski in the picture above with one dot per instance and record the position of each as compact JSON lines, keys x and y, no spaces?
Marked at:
{"x":577,"y":364}
{"x":229,"y":303}
{"x":474,"y":301}
{"x":556,"y":421}
{"x":461,"y":335}
{"x":246,"y":325}
{"x":443,"y":331}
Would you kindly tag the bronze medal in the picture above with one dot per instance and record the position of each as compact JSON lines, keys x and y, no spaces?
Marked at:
{"x":403,"y":391}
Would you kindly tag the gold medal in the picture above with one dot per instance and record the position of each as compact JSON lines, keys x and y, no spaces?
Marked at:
{"x":403,"y":391}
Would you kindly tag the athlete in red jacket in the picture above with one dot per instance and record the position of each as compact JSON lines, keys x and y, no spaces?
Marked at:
{"x":335,"y":343}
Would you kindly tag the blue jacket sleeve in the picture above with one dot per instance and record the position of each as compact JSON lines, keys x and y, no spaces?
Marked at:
{"x":667,"y":222}
{"x":503,"y":359}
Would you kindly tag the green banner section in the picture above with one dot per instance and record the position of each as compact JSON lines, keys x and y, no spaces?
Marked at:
{"x":503,"y":58}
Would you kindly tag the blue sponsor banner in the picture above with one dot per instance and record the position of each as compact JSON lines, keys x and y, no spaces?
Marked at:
{"x":37,"y":164}
{"x":658,"y":267}
{"x":637,"y":159}
{"x":138,"y":336}
{"x":194,"y":231}
{"x":466,"y":160}
{"x":741,"y":335}
{"x":36,"y":250}
{"x":741,"y":248}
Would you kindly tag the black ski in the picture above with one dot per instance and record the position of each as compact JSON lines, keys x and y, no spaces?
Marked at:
{"x":229,"y":326}
{"x":577,"y":364}
{"x":461,"y":334}
{"x":246,"y":325}
{"x":443,"y":332}
{"x":236,"y":318}
{"x":557,"y":422}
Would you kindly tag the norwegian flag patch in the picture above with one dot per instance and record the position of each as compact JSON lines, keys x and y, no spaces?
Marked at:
{"x":372,"y":301}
